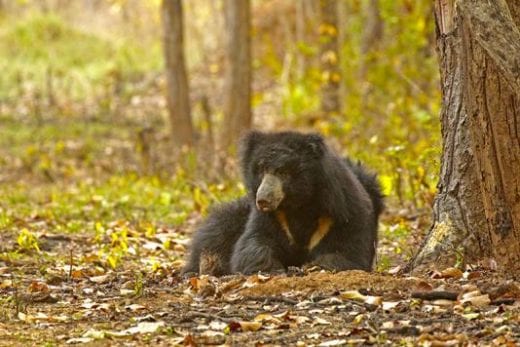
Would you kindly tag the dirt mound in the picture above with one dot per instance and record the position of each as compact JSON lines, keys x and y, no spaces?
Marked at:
{"x":324,"y":282}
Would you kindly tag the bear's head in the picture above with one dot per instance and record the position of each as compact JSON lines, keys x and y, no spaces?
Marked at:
{"x":282,"y":169}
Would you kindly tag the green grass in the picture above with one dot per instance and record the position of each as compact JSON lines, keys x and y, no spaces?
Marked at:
{"x":116,"y":214}
{"x":77,"y":207}
{"x":41,"y":44}
{"x":66,"y":149}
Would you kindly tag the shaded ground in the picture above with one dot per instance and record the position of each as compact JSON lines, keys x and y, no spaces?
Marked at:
{"x":44,"y":300}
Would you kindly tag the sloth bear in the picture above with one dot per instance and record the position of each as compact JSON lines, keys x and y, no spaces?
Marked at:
{"x":305,"y":206}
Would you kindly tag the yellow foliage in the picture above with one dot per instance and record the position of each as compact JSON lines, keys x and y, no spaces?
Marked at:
{"x":325,"y":76}
{"x":328,"y":30}
{"x":386,"y":184}
{"x":329,"y":57}
{"x":335,"y":77}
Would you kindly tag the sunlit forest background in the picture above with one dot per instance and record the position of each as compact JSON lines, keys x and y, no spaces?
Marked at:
{"x":84,"y":133}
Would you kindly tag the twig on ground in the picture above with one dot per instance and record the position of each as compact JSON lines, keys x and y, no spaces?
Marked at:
{"x":435,"y":295}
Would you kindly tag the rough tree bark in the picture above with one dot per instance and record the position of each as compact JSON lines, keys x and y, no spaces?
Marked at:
{"x":477,"y":210}
{"x":237,"y":113}
{"x":329,"y":56}
{"x":177,"y":96}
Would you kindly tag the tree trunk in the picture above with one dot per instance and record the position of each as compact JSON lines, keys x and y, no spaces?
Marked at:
{"x":373,"y":27}
{"x":477,"y":210}
{"x":329,"y":56}
{"x":177,"y":97}
{"x":237,"y":113}
{"x":299,"y":22}
{"x":372,"y":34}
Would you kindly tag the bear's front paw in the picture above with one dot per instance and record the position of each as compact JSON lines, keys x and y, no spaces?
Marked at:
{"x":334,"y":262}
{"x":250,"y":266}
{"x":254,"y":258}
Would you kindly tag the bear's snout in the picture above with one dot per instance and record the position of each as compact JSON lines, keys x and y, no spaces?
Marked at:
{"x":270,"y":193}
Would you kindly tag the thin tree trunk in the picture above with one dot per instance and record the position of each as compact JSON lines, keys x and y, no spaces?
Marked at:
{"x":477,"y":210}
{"x":373,"y":28}
{"x":177,"y":97}
{"x":331,"y":77}
{"x":370,"y":41}
{"x":300,"y":37}
{"x":237,"y":115}
{"x":343,"y":17}
{"x":372,"y":34}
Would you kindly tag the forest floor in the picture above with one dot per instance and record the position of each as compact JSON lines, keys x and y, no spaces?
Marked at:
{"x":94,"y":223}
{"x":90,"y":253}
{"x":134,"y":306}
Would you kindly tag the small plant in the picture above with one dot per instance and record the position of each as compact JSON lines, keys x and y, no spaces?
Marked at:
{"x":138,"y":285}
{"x":5,"y":220}
{"x":384,"y":263}
{"x":27,"y":240}
{"x":119,"y":247}
{"x":6,"y":303}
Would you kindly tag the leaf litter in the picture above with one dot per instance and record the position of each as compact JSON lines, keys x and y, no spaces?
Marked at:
{"x":79,"y":300}
{"x":115,"y":280}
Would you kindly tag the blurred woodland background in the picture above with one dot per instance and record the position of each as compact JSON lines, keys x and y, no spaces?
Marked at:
{"x":119,"y":121}
{"x":85,"y":134}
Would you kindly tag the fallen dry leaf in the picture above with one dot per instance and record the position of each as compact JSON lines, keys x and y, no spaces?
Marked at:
{"x":77,"y":274}
{"x":140,"y":328}
{"x":250,"y":326}
{"x":264,"y":317}
{"x":367,"y":299}
{"x":352,"y":295}
{"x":100,"y":279}
{"x":321,"y":321}
{"x":333,"y":343}
{"x":79,"y":340}
{"x":471,"y":316}
{"x":6,"y":284}
{"x":478,"y":301}
{"x":423,"y":286}
{"x":94,"y":334}
{"x":451,"y":272}
{"x":135,"y":307}
{"x":390,"y":305}
{"x":38,"y":287}
{"x":253,"y":280}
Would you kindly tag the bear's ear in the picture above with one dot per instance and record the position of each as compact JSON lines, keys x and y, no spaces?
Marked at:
{"x":247,"y":144}
{"x":315,"y":145}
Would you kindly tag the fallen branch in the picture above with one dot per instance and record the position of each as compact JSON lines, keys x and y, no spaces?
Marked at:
{"x":435,"y":295}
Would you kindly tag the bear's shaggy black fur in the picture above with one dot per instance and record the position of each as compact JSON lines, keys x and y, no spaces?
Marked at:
{"x":305,"y":205}
{"x":213,"y":242}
